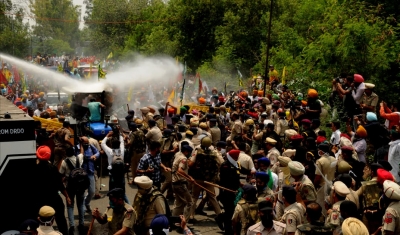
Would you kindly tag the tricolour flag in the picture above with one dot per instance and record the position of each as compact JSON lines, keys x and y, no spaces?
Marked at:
{"x":101,"y":73}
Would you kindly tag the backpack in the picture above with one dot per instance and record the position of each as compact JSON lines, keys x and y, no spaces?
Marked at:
{"x":207,"y":167}
{"x":78,"y":179}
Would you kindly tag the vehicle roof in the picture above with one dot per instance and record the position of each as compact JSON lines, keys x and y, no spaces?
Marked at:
{"x":14,"y":111}
{"x":97,"y":87}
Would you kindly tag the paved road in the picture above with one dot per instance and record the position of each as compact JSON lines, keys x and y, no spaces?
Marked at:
{"x":205,"y":225}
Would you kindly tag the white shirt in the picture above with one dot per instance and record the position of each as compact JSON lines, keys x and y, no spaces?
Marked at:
{"x":113,"y":152}
{"x":394,"y":158}
{"x":335,"y":137}
{"x":37,"y":112}
{"x":358,"y":93}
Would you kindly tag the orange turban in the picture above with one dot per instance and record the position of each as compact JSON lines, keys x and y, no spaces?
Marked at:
{"x":171,"y":110}
{"x":303,"y":103}
{"x":361,"y":132}
{"x":255,"y":92}
{"x":243,"y":94}
{"x":202,"y":100}
{"x":260,"y":93}
{"x":312,"y":93}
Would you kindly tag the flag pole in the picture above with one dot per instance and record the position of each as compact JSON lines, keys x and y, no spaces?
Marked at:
{"x":267,"y":55}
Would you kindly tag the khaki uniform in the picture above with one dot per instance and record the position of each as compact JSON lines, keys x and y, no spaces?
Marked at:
{"x":120,"y":219}
{"x":293,"y":217}
{"x":371,"y":100}
{"x":47,"y":230}
{"x":391,"y":219}
{"x":307,"y":191}
{"x":246,"y":161}
{"x":147,"y":207}
{"x":273,"y":155}
{"x":246,"y":213}
{"x":284,"y":178}
{"x":371,"y":194}
{"x":352,"y":196}
{"x":308,"y":229}
{"x":183,"y":200}
{"x":61,"y":145}
{"x":267,"y":192}
{"x":281,"y":126}
{"x":215,"y":135}
{"x":258,"y":229}
{"x":333,"y":218}
{"x":326,"y":166}
{"x":154,"y":134}
{"x":137,"y":149}
{"x":196,"y":189}
{"x":236,"y":129}
{"x":166,"y":160}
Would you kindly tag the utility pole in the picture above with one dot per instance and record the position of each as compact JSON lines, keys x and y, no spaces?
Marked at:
{"x":266,"y":78}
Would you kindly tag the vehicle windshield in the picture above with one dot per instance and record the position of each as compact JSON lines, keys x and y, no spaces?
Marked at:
{"x":53,"y":99}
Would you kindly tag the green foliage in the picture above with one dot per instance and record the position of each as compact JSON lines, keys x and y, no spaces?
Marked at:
{"x":56,"y":20}
{"x":13,"y":33}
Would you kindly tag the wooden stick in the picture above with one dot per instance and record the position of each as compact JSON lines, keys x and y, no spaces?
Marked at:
{"x":194,"y":182}
{"x":91,"y":226}
{"x":218,"y":186}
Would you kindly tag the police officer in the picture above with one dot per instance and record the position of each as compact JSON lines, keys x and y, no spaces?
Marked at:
{"x":137,"y":147}
{"x":283,"y":179}
{"x":307,"y":190}
{"x":148,"y":202}
{"x":339,"y":193}
{"x":46,"y":219}
{"x":183,"y":200}
{"x":273,"y":153}
{"x":205,"y":163}
{"x":267,"y":226}
{"x":314,"y":225}
{"x":245,"y":213}
{"x":294,"y":211}
{"x":230,"y":178}
{"x":263,"y":191}
{"x":391,"y":219}
{"x":120,"y":216}
{"x":167,"y":152}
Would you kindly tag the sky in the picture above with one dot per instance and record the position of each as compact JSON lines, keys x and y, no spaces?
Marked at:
{"x":24,"y":4}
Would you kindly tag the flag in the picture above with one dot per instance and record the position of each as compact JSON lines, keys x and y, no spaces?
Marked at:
{"x":129,"y":97}
{"x":171,"y":97}
{"x":283,"y":76}
{"x":60,"y":68}
{"x":90,"y":71}
{"x":225,"y":88}
{"x":183,"y":89}
{"x":198,"y":83}
{"x":16,"y":75}
{"x":101,"y":73}
{"x":110,"y":56}
{"x":240,"y":77}
{"x":3,"y":79}
{"x":7,"y":74}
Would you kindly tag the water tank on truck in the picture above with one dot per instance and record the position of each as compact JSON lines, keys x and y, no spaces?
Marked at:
{"x":17,"y":161}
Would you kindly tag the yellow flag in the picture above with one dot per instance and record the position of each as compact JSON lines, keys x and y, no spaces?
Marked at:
{"x":101,"y":73}
{"x":129,"y":94}
{"x":283,"y":76}
{"x":90,"y":71}
{"x":60,"y":68}
{"x":110,"y":56}
{"x":171,"y":97}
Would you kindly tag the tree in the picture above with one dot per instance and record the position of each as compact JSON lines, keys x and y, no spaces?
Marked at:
{"x":13,"y":33}
{"x":56,"y":19}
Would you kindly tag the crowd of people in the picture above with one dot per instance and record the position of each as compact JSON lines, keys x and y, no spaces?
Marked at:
{"x":263,"y":164}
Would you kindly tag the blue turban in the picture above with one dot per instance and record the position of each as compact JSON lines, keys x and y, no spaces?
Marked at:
{"x":263,"y":176}
{"x":159,"y":221}
{"x":371,"y":117}
{"x":264,"y":161}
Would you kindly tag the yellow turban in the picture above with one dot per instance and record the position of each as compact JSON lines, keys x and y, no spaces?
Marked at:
{"x":361,"y":132}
